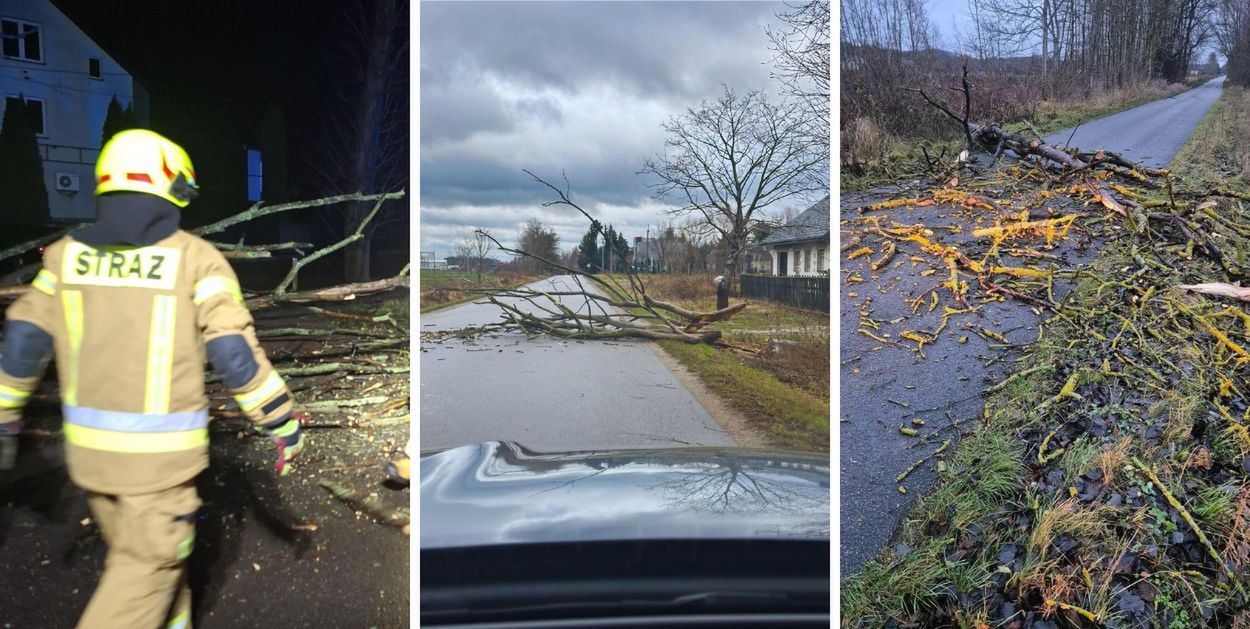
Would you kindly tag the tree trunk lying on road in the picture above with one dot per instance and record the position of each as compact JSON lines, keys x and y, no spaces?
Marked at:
{"x":995,"y":140}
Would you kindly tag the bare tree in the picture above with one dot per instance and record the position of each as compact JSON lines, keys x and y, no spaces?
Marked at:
{"x":1232,"y":30}
{"x":802,"y":61}
{"x":367,"y":143}
{"x":538,"y":243}
{"x":474,"y":249}
{"x":733,"y":157}
{"x":665,"y":245}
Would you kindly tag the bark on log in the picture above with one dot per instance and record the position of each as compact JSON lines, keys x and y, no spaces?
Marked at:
{"x":346,"y":292}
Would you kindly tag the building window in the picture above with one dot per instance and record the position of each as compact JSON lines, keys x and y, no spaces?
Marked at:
{"x":22,"y":40}
{"x":93,"y":67}
{"x":34,"y":110}
{"x":822,"y":263}
{"x":255,"y":175}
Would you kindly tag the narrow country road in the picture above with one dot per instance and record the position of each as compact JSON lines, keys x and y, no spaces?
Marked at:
{"x":1152,"y":133}
{"x":551,"y":394}
{"x":883,"y":388}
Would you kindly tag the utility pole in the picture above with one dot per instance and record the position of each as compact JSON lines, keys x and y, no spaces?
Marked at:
{"x":647,"y":240}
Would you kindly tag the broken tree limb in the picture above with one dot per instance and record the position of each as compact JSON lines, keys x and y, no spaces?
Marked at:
{"x":312,"y":257}
{"x":30,"y":245}
{"x":346,"y":292}
{"x":1240,"y":293}
{"x":610,"y":308}
{"x":257,"y":211}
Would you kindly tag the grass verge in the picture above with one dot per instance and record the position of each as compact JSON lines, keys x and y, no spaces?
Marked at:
{"x":1218,"y":153}
{"x":790,"y":416}
{"x":783,"y":388}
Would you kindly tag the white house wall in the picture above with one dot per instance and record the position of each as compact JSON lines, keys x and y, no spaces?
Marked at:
{"x":74,"y":103}
{"x":816,"y":251}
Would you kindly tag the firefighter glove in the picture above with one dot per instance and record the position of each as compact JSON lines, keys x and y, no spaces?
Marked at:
{"x":290,"y":441}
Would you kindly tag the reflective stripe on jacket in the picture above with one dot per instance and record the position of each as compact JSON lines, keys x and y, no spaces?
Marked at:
{"x":129,"y":328}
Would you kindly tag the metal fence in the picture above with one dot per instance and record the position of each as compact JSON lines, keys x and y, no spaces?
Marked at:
{"x":810,"y":293}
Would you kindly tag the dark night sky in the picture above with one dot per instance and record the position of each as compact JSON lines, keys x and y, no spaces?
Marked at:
{"x":214,"y":68}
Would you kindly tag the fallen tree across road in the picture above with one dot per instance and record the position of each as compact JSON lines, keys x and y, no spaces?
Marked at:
{"x":601,"y":307}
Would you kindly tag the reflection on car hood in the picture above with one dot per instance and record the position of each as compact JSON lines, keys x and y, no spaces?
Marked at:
{"x":501,"y":493}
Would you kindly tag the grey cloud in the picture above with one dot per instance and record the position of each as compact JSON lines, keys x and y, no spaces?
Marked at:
{"x":545,"y":109}
{"x":651,"y":48}
{"x":576,"y":87}
{"x":459,"y":109}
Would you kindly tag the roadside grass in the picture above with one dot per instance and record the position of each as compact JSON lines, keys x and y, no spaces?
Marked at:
{"x":1065,"y":551}
{"x":917,"y":580}
{"x":790,"y":416}
{"x":798,"y":358}
{"x":1218,"y":153}
{"x":783,"y":388}
{"x":442,"y":288}
{"x":901,"y":157}
{"x":1081,"y":531}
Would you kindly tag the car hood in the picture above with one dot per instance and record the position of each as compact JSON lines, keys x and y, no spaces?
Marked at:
{"x":501,"y":493}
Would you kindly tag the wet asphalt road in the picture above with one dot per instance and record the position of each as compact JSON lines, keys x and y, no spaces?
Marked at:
{"x":1152,"y":133}
{"x":550,"y":394}
{"x":945,"y":387}
{"x":885,"y":387}
{"x":255,"y":562}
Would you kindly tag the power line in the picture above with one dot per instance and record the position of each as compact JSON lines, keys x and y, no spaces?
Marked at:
{"x":46,"y":69}
{"x":62,"y":87}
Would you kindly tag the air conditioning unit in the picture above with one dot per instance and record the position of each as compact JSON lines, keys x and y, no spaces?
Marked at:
{"x":66,"y":182}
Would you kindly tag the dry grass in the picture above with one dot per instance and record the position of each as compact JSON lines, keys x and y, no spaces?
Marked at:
{"x":680,"y":287}
{"x":440,"y":289}
{"x":863,"y":143}
{"x":800,"y":360}
{"x":1067,"y":517}
{"x":1111,"y":459}
{"x":1218,"y":153}
{"x":1237,"y":543}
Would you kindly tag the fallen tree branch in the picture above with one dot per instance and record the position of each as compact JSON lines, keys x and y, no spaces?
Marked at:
{"x":257,"y":211}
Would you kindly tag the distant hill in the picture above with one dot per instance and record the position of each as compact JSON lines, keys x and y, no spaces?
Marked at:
{"x":939,"y":59}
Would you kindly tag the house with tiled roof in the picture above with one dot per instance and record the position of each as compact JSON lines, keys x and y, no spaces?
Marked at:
{"x":801,"y":247}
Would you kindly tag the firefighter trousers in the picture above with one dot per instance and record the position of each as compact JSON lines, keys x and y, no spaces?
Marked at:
{"x":149,"y":538}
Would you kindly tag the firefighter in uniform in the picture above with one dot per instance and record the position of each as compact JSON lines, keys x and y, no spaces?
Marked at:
{"x":133,"y":307}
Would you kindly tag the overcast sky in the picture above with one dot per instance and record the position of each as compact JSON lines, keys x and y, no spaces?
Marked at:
{"x":562,"y":86}
{"x":949,"y":17}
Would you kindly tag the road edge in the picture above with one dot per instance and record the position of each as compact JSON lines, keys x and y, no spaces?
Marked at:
{"x":734,"y":423}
